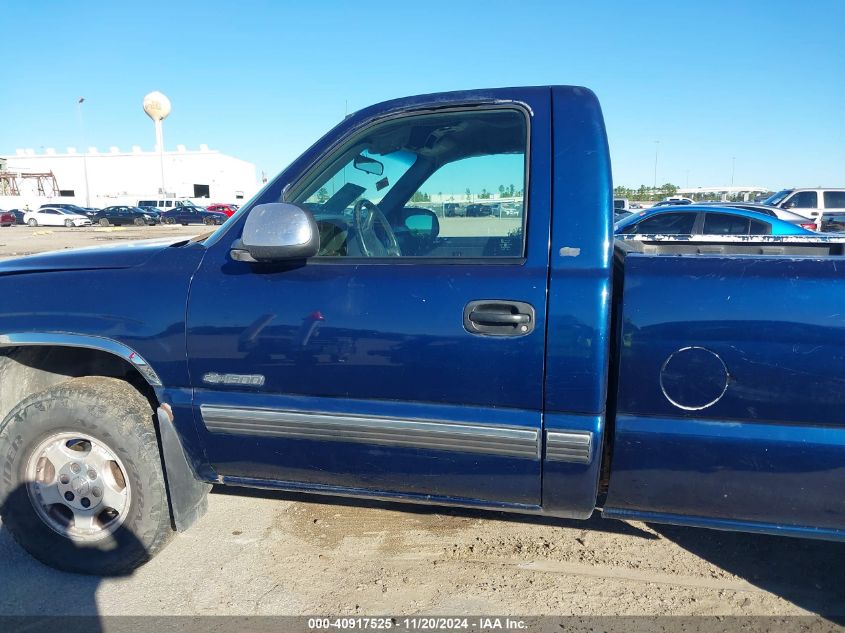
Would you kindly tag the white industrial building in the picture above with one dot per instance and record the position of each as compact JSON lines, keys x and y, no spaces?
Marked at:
{"x":102,"y":178}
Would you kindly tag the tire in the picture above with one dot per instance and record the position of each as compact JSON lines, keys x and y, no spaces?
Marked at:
{"x":209,"y":221}
{"x":69,"y":224}
{"x":104,"y":222}
{"x":104,"y":414}
{"x":140,"y":222}
{"x":169,"y":221}
{"x":32,"y":222}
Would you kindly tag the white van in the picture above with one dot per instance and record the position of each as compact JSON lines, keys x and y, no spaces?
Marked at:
{"x":810,"y":203}
{"x":165,"y":204}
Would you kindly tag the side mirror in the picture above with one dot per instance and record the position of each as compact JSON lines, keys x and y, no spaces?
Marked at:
{"x":422,"y":223}
{"x":277,"y":232}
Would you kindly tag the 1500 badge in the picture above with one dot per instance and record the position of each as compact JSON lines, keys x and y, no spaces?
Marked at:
{"x":249,"y":380}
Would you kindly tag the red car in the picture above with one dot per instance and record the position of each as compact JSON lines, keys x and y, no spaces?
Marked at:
{"x":6,"y":218}
{"x":228,"y":209}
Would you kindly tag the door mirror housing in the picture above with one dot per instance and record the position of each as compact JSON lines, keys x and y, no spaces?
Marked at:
{"x":422,"y":223}
{"x":277,"y":232}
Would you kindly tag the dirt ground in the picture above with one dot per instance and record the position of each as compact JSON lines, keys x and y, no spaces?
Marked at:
{"x":19,"y":240}
{"x":269,"y":554}
{"x":262,"y":553}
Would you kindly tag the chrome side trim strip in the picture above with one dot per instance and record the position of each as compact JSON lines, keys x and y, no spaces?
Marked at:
{"x":569,"y":446}
{"x":63,"y":339}
{"x":329,"y":427}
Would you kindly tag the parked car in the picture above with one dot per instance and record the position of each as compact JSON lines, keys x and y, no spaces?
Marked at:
{"x":478,"y":210}
{"x":704,"y":221}
{"x":671,"y":202}
{"x":154,"y":211}
{"x":73,"y":208}
{"x":53,"y":216}
{"x":165,"y":204}
{"x":620,"y":205}
{"x":7,"y":218}
{"x":809,"y":202}
{"x":227,"y":209}
{"x":122,"y":215}
{"x":192,"y":215}
{"x":552,"y":372}
{"x":451,"y":209}
{"x":781,"y":214}
{"x":19,"y":215}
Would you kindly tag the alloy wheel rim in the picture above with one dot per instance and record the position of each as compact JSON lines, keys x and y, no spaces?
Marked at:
{"x":78,"y":486}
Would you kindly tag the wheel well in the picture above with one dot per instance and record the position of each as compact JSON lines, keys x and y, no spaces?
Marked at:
{"x":29,"y":369}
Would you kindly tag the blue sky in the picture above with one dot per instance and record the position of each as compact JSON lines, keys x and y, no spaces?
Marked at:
{"x":758,"y":85}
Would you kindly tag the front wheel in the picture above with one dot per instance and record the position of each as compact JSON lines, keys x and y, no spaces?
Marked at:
{"x":104,"y":222}
{"x":82,"y":487}
{"x":169,"y":221}
{"x":69,"y":224}
{"x":139,"y":222}
{"x":209,"y":221}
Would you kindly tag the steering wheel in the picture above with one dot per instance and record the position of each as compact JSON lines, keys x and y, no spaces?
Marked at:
{"x":368,"y":240}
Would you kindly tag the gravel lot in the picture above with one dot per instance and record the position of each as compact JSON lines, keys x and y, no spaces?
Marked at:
{"x":19,"y":240}
{"x":263,"y":553}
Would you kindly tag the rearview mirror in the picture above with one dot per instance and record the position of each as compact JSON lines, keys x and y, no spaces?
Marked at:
{"x":368,"y":165}
{"x":277,"y":232}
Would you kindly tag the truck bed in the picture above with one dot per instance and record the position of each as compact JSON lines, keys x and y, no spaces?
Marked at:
{"x":730,"y":377}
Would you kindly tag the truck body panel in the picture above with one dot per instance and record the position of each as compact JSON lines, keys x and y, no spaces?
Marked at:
{"x":731,"y":389}
{"x":691,"y":383}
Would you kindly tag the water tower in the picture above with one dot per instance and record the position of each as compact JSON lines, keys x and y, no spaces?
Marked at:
{"x":157,"y":107}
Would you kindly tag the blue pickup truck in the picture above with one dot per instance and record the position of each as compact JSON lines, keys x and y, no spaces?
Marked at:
{"x":343,"y":334}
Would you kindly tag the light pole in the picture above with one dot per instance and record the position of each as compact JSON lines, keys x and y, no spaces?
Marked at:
{"x":79,"y":103}
{"x":656,"y":147}
{"x":733,"y":169}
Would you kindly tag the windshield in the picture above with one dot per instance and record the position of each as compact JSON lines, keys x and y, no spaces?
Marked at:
{"x":778,"y":197}
{"x":339,"y":189}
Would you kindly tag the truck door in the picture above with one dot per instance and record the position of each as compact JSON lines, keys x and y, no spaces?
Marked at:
{"x":408,"y":357}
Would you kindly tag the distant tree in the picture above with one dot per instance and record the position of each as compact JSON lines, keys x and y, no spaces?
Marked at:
{"x":501,"y":191}
{"x":469,"y":194}
{"x":420,"y":196}
{"x":484,"y":195}
{"x":511,"y":190}
{"x":322,"y":194}
{"x":669,"y":189}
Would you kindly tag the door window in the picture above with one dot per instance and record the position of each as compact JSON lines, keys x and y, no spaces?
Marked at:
{"x":802,"y":200}
{"x":448,"y":185}
{"x":667,"y":224}
{"x":759,"y":228}
{"x":725,"y":224}
{"x":834,"y":199}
